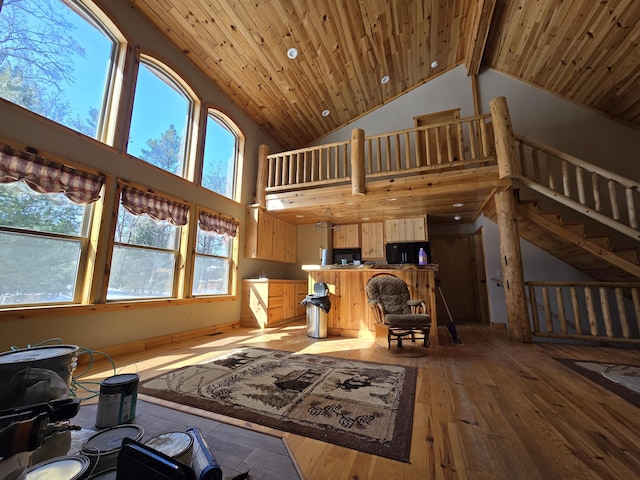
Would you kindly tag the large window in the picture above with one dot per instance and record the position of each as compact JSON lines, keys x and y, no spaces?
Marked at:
{"x":214,"y":255}
{"x":162,"y":111}
{"x":146,"y":247}
{"x":43,"y":235}
{"x":221,"y":156}
{"x":58,"y":60}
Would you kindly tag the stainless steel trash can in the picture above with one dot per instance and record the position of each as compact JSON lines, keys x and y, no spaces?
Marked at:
{"x":316,"y":322}
{"x":318,"y":306}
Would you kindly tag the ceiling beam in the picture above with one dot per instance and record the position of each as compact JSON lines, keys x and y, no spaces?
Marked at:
{"x":478,"y":28}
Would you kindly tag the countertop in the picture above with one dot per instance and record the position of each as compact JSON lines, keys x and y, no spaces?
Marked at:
{"x":364,"y":266}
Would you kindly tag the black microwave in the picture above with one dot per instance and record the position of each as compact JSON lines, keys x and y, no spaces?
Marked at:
{"x":349,"y":254}
{"x":406,"y":252}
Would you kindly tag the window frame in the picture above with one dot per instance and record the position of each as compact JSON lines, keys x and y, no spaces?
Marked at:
{"x":178,"y":281}
{"x":232,"y":274}
{"x":114,"y":82}
{"x":174,"y":80}
{"x":229,"y":124}
{"x":84,"y":288}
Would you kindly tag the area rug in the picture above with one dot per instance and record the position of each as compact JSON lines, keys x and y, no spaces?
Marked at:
{"x":359,"y":405}
{"x":623,"y":380}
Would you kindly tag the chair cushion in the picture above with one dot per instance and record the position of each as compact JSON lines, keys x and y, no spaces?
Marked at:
{"x":392,"y":292}
{"x":407,"y":321}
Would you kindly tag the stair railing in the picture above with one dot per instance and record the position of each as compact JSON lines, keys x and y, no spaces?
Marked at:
{"x":595,"y":311}
{"x":580,"y":185}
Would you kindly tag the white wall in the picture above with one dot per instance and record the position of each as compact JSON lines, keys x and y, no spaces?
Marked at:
{"x":450,"y":90}
{"x":537,"y":265}
{"x":565,"y":125}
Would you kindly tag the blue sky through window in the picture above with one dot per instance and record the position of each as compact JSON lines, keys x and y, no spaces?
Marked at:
{"x":87,"y":54}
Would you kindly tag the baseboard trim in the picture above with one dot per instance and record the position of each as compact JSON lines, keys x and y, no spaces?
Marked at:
{"x":153,"y":342}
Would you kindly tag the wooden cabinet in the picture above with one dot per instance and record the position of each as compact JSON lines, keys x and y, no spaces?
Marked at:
{"x":372,"y":240}
{"x":268,"y":237}
{"x":406,"y":230}
{"x":267,"y":302}
{"x":347,"y":236}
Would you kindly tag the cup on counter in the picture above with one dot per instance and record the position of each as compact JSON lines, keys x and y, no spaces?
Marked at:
{"x":344,"y":261}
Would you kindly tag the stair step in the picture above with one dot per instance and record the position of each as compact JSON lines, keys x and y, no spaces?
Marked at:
{"x":602,"y":242}
{"x":576,"y":228}
{"x":630,"y":255}
{"x":552,"y":217}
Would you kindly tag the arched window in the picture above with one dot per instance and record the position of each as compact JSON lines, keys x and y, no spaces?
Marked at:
{"x":59,"y":60}
{"x":163,"y":113}
{"x":222,"y":156}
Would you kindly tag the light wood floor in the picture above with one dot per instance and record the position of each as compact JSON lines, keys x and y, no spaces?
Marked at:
{"x":486,"y":409}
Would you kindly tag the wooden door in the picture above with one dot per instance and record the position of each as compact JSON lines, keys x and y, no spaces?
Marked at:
{"x":455,"y":256}
{"x":437,"y":145}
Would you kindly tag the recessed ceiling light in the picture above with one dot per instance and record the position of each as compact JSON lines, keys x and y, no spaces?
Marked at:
{"x":384,"y":79}
{"x":326,"y":113}
{"x":299,"y":216}
{"x":458,"y":205}
{"x":365,"y":218}
{"x":392,"y":199}
{"x":434,"y":64}
{"x":457,"y":217}
{"x":292,"y":53}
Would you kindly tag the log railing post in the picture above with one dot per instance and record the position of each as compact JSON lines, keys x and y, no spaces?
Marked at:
{"x":507,"y":219}
{"x":357,"y":162}
{"x":262,"y":178}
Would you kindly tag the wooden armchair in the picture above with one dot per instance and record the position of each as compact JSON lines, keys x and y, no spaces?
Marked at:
{"x":394,"y":311}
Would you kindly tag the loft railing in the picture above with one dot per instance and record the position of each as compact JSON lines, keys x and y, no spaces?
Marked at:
{"x":458,"y":144}
{"x":604,"y":196}
{"x":595,"y":311}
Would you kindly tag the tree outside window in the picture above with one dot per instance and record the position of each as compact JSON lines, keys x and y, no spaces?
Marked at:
{"x":56,"y":60}
{"x":145,"y":254}
{"x":160,"y":119}
{"x":220,"y":163}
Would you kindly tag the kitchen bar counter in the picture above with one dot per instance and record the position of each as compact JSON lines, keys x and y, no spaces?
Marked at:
{"x":350,"y":315}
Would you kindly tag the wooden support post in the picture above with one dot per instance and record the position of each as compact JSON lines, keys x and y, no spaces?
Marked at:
{"x":357,"y":162}
{"x":512,"y":272}
{"x":262,"y":178}
{"x":508,"y":165}
{"x":510,"y":254}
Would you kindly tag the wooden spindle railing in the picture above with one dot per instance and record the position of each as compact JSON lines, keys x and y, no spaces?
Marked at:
{"x":580,"y":185}
{"x":462,"y":143}
{"x":308,"y":167}
{"x":593,"y":311}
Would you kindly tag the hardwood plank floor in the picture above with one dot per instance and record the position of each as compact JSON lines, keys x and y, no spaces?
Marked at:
{"x":486,"y":409}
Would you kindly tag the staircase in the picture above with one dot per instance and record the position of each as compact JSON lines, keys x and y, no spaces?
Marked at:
{"x":564,"y":188}
{"x":560,"y":189}
{"x":593,"y":256}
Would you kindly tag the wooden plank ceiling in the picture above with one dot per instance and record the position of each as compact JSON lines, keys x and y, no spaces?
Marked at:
{"x":585,"y":50}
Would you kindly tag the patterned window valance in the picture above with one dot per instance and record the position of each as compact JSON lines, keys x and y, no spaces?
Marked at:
{"x":215,"y":223}
{"x":159,"y":208}
{"x":46,"y":176}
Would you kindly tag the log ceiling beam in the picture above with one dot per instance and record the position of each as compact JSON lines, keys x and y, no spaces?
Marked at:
{"x":478,"y":28}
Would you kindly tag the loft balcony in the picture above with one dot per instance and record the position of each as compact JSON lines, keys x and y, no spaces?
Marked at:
{"x":407,"y":173}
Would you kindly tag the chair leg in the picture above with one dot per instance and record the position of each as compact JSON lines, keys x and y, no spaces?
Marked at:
{"x":425,"y":333}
